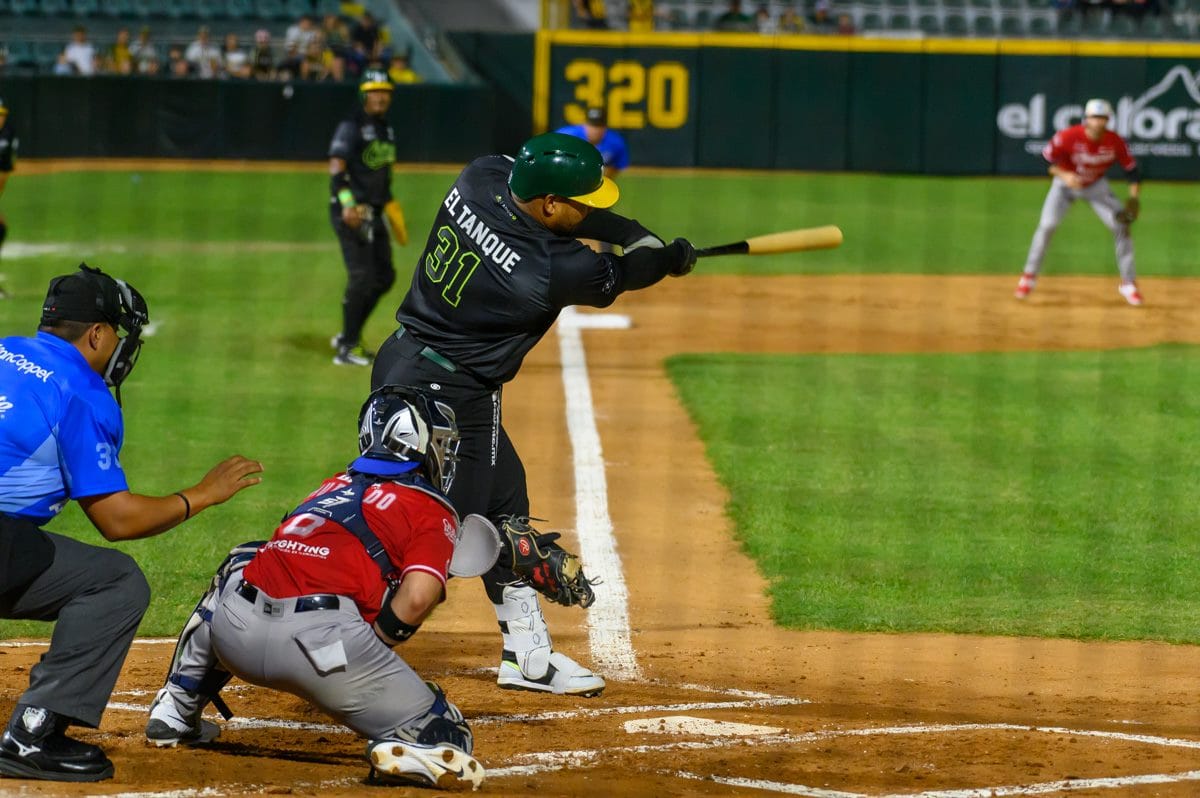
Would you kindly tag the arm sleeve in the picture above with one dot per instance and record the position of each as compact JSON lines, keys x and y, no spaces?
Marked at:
{"x":595,"y":280}
{"x":1127,"y":161}
{"x":1053,"y":152}
{"x":604,"y":225}
{"x":89,"y":442}
{"x":342,"y":145}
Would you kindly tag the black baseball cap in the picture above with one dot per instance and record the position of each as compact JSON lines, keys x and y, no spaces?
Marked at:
{"x":88,"y":295}
{"x":597,"y":117}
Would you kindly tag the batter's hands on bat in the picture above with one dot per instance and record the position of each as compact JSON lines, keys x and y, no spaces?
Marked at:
{"x":1129,"y":214}
{"x":224,"y":480}
{"x":682,"y":255}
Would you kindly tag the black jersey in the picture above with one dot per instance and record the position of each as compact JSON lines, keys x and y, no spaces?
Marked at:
{"x":368,"y":146}
{"x":491,"y":280}
{"x":8,"y":147}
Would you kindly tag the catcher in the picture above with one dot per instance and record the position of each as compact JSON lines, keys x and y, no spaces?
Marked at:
{"x":1079,"y":157}
{"x":349,"y":573}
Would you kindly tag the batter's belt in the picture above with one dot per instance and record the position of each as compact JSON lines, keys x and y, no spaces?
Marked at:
{"x":409,"y":345}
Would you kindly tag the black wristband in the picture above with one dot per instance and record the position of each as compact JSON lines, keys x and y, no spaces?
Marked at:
{"x":187,"y":505}
{"x":392,"y":626}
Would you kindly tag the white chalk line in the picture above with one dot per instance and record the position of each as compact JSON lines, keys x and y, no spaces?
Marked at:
{"x":607,"y":619}
{"x":137,"y":641}
{"x":695,"y":706}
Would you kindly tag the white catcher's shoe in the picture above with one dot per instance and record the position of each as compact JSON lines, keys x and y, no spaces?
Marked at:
{"x":168,"y":728}
{"x":561,"y":676}
{"x":442,"y":765}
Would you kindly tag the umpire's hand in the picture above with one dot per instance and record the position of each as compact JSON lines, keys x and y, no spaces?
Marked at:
{"x":227,"y":478}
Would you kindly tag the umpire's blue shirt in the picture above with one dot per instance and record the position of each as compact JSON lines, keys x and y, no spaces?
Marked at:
{"x":60,"y":428}
{"x":612,"y":145}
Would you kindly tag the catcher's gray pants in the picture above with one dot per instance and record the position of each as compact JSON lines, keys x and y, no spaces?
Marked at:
{"x":98,"y":597}
{"x":1100,"y":196}
{"x":331,"y":658}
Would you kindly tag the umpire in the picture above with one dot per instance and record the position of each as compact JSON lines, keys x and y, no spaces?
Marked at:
{"x":360,"y":166}
{"x":60,"y":437}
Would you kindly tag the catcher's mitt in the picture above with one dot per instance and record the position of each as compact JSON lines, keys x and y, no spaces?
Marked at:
{"x":1129,"y":214}
{"x":543,"y":564}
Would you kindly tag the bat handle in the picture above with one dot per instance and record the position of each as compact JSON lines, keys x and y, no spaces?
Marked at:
{"x":737,"y":248}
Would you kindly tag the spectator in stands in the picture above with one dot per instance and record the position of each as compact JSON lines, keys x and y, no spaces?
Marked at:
{"x":764,"y":22}
{"x":177,"y":65}
{"x":300,"y":35}
{"x":262,"y":59}
{"x":80,"y":53}
{"x":821,"y":21}
{"x":337,"y":42}
{"x":289,"y":66}
{"x":734,"y":20}
{"x":235,"y":61}
{"x":62,"y":66}
{"x":203,"y":55}
{"x":641,"y":16}
{"x":845,"y":25}
{"x":367,"y":34}
{"x":790,"y":21}
{"x":315,"y":64}
{"x":400,"y":71}
{"x":590,"y":14}
{"x":120,"y":58}
{"x":144,"y":53}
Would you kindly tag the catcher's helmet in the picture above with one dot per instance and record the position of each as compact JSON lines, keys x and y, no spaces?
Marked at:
{"x":374,"y":80}
{"x":400,"y":430}
{"x":566,"y":166}
{"x":90,"y":295}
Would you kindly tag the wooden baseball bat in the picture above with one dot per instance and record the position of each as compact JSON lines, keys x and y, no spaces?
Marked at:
{"x":806,"y":238}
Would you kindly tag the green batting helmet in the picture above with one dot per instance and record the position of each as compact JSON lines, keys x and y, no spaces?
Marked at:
{"x":566,"y":166}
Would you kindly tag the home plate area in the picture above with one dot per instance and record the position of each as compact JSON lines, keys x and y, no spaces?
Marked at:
{"x":665,"y":739}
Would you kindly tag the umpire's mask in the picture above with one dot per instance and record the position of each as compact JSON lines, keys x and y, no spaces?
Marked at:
{"x":90,"y":295}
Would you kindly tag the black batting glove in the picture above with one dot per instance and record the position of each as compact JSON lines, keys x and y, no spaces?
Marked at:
{"x":682,"y":256}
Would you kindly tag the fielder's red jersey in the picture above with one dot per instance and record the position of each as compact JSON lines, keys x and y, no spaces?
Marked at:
{"x":310,"y":554}
{"x":1072,"y":149}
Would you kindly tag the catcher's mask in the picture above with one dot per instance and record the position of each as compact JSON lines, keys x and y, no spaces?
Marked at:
{"x":400,"y":430}
{"x":90,"y":295}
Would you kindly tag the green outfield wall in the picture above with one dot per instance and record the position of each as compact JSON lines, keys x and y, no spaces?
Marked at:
{"x":149,"y":117}
{"x":880,"y":105}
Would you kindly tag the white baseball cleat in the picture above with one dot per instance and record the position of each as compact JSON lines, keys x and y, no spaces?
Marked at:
{"x":443,"y":765}
{"x":1131,"y":293}
{"x":168,"y":727}
{"x":561,"y":676}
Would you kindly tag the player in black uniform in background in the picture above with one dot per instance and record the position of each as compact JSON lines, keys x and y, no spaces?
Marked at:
{"x":360,"y":166}
{"x":8,"y":155}
{"x":500,"y":263}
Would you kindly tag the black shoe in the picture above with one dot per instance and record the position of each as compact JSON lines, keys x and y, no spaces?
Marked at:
{"x":33,"y":748}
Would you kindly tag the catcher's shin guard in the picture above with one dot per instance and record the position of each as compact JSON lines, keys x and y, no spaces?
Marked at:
{"x":529,"y":661}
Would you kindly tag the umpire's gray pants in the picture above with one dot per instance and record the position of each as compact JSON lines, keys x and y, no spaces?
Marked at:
{"x":1100,"y":196}
{"x":98,"y":597}
{"x":330,"y":658}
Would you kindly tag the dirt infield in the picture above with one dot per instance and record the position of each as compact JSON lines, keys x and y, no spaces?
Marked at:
{"x":831,"y":715}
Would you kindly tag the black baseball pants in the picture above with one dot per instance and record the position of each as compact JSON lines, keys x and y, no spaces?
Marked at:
{"x":369,"y":270}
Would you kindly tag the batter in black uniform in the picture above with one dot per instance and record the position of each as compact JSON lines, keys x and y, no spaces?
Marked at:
{"x":500,"y":263}
{"x":360,"y":165}
{"x":8,"y":155}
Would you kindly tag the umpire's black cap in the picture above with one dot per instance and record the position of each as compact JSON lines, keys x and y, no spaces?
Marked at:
{"x":597,"y":117}
{"x":88,"y":295}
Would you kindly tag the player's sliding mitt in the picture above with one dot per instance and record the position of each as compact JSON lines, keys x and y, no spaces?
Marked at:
{"x":1129,"y":214}
{"x":543,"y":564}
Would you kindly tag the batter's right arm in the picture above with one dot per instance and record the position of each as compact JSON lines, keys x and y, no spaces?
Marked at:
{"x":602,"y":224}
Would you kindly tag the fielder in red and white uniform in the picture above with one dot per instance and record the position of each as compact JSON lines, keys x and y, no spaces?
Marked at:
{"x":1079,"y":158}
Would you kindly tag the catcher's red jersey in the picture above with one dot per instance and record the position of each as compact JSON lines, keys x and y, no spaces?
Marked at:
{"x":1072,"y":149}
{"x":311,"y":554}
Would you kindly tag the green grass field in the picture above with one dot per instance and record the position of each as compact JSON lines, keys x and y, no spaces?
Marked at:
{"x":1026,"y":505}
